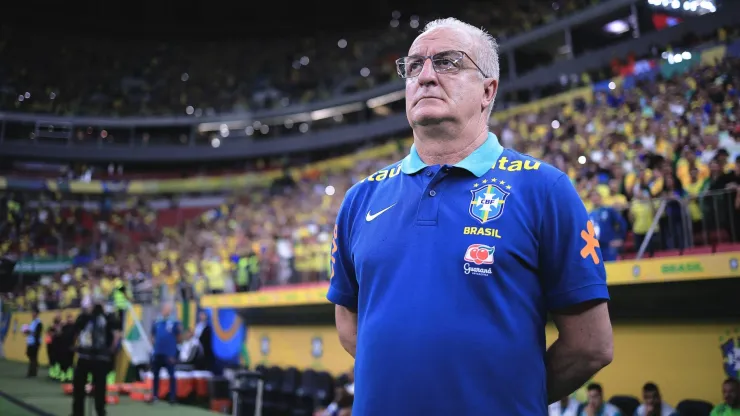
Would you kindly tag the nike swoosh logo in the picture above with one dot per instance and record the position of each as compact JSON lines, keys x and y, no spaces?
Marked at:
{"x":369,"y":217}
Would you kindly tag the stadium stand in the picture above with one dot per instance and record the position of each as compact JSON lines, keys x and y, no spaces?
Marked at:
{"x":624,"y":148}
{"x":660,"y":149}
{"x":145,"y":78}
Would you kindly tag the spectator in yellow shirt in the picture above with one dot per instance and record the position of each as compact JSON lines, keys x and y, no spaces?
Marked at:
{"x":615,"y":199}
{"x":687,"y":162}
{"x":641,"y":215}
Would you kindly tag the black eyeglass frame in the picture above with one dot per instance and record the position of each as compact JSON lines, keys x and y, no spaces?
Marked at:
{"x":436,"y":57}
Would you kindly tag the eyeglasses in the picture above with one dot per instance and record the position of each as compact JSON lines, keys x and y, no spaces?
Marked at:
{"x":448,"y":62}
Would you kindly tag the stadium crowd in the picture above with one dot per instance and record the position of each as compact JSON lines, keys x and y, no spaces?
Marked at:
{"x":626,"y":149}
{"x":100,"y":76}
{"x":671,"y":138}
{"x":666,"y":147}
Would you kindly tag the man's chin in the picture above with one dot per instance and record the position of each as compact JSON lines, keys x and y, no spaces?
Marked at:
{"x":429,"y":120}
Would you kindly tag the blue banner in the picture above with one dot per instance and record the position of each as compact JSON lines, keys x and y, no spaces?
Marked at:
{"x":4,"y":324}
{"x":229,"y":334}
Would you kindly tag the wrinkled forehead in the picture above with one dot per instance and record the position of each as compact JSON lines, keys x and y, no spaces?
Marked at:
{"x":440,"y":40}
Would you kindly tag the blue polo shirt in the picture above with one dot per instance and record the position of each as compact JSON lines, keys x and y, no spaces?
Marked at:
{"x":164,"y":333}
{"x":452,"y":270}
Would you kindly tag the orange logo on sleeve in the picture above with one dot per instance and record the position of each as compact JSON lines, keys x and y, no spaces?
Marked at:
{"x":591,"y":243}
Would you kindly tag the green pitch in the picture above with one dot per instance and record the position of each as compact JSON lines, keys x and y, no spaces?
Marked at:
{"x":9,"y":409}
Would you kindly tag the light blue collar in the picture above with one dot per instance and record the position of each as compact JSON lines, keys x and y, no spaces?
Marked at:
{"x":478,"y":163}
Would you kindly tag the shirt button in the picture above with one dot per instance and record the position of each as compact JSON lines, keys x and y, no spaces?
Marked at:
{"x":430,"y":173}
{"x":432,"y":192}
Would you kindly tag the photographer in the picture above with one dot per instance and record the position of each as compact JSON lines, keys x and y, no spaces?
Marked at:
{"x":99,"y":334}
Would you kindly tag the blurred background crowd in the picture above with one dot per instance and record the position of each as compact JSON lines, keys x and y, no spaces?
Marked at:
{"x":626,"y":150}
{"x":649,"y":138}
{"x":666,"y":145}
{"x":69,"y":74}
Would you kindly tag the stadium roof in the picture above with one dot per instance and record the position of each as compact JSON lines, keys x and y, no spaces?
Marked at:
{"x":215,"y":17}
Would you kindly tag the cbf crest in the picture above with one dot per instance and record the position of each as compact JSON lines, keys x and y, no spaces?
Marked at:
{"x":730,"y":346}
{"x":317,"y":347}
{"x":488,"y":200}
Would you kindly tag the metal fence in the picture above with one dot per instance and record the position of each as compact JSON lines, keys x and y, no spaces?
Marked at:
{"x":707,"y":219}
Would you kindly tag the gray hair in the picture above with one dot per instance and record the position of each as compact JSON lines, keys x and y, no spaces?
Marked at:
{"x":486,"y":50}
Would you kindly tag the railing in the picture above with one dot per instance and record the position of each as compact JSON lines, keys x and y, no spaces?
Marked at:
{"x":706,"y":220}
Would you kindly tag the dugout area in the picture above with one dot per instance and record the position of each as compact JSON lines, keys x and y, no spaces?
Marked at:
{"x":711,"y":300}
{"x":674,"y":334}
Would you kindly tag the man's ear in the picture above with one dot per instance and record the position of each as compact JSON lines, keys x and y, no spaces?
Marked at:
{"x":490,"y":88}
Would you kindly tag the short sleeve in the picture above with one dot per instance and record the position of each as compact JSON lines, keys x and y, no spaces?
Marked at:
{"x":343,"y":287}
{"x":176,"y":328}
{"x":571,"y":264}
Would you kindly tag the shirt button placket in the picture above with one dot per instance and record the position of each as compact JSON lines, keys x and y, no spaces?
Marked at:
{"x":429,"y":204}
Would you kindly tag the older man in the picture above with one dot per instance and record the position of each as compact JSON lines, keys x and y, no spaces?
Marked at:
{"x":166,"y":335}
{"x":446,"y":264}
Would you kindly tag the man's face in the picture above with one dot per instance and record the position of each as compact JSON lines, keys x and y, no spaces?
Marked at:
{"x":433,"y":98}
{"x":730,"y":393}
{"x":595,"y":199}
{"x":614,"y":186}
{"x":651,"y":398}
{"x":595,"y":399}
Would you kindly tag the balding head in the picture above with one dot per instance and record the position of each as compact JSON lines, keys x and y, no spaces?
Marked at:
{"x":451,"y":95}
{"x":483,"y":47}
{"x":166,"y":309}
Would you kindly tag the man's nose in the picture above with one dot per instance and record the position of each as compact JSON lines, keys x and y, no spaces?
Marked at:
{"x":427,"y":74}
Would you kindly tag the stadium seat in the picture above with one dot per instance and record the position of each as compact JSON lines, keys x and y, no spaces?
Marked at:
{"x":626,"y":404}
{"x":249,"y":397}
{"x":691,"y":407}
{"x":273,"y":389}
{"x":343,"y":380}
{"x":324,"y":392}
{"x":304,"y":395}
{"x":291,"y":380}
{"x":711,"y":237}
{"x":667,"y":253}
{"x":628,"y":256}
{"x":693,"y":251}
{"x":719,"y":236}
{"x":727,"y":247}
